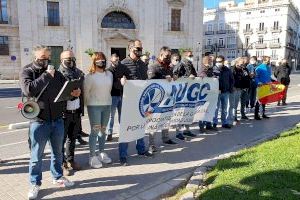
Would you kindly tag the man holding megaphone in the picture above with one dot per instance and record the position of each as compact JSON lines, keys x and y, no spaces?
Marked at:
{"x":41,"y":83}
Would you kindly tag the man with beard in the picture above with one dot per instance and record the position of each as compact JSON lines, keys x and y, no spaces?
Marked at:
{"x":161,"y":69}
{"x":73,"y":113}
{"x":36,"y":80}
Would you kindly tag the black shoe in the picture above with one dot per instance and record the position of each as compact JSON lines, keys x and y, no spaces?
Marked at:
{"x":109,"y":138}
{"x":245,"y":117}
{"x":209,"y":128}
{"x":284,"y":104}
{"x":257,"y":117}
{"x":123,"y":161}
{"x":202,"y":130}
{"x":278,"y":104}
{"x":152,"y":149}
{"x":83,"y":134}
{"x":180,"y":136}
{"x":226,"y":126}
{"x":81,"y":141}
{"x":170,"y":142}
{"x":146,"y":154}
{"x":265,"y":116}
{"x":188,"y":134}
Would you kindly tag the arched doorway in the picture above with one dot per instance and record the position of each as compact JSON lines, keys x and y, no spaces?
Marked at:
{"x":119,"y":20}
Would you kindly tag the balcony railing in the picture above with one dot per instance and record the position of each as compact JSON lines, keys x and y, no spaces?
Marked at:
{"x":261,"y":46}
{"x":209,"y":32}
{"x":261,"y":30}
{"x":221,"y":32}
{"x":231,"y":31}
{"x":208,"y":47}
{"x":6,"y":21}
{"x":221,"y":46}
{"x":52,"y":21}
{"x":274,"y":45}
{"x":248,"y":31}
{"x":231,"y":46}
{"x":175,"y":27}
{"x":276,"y":29}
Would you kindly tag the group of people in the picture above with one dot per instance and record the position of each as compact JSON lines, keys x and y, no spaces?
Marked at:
{"x":101,"y":92}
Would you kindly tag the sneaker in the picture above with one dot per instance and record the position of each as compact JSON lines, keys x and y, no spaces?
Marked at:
{"x":33,"y":192}
{"x":278,"y":104}
{"x":73,"y":165}
{"x":226,"y":126}
{"x":180,"y":136}
{"x":284,"y":104}
{"x":265,"y":116}
{"x":63,"y":182}
{"x":147,"y":154}
{"x":81,"y":141}
{"x":170,"y":142}
{"x":95,"y":162}
{"x":153,"y":149}
{"x":201,"y":130}
{"x":123,"y":161}
{"x":83,"y":134}
{"x":109,"y":138}
{"x":245,"y":117}
{"x":257,"y":117}
{"x":103,"y":157}
{"x":188,"y":134}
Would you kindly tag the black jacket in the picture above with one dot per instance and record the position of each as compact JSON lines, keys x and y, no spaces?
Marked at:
{"x":185,"y":69}
{"x":33,"y":80}
{"x":158,"y":71}
{"x":137,"y":70}
{"x":241,"y":78}
{"x":118,"y":72}
{"x":71,"y":74}
{"x":282,"y":73}
{"x":226,"y":80}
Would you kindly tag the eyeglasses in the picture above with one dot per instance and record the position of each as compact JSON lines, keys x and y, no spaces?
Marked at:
{"x":70,"y":59}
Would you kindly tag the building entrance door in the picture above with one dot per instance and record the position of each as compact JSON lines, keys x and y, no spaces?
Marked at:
{"x":121,"y":52}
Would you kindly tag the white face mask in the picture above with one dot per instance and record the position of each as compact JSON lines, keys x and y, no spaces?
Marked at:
{"x":219,"y":64}
{"x":253,"y":62}
{"x":190,"y":59}
{"x":175,"y":63}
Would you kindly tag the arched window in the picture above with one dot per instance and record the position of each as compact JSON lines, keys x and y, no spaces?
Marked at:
{"x":117,"y":20}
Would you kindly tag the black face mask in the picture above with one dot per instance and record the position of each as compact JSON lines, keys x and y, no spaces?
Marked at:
{"x":69,"y":63}
{"x":138,"y":52}
{"x":101,"y":64}
{"x":43,"y":63}
{"x":167,"y":60}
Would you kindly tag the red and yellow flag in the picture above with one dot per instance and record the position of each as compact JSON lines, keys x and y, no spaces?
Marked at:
{"x":271,"y":92}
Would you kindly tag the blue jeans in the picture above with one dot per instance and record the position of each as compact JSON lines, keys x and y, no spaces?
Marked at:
{"x":244,"y":99}
{"x":252,"y":95}
{"x":223,"y":100}
{"x":140,"y":147}
{"x":115,"y":106}
{"x":98,"y":116}
{"x":234,"y":99}
{"x":40,"y":133}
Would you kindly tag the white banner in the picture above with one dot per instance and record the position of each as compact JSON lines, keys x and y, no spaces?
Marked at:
{"x":153,"y":105}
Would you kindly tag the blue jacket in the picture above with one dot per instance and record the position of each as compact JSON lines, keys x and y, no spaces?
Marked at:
{"x":263,"y":74}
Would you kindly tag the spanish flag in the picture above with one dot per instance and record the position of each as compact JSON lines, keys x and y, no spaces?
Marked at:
{"x":271,"y":92}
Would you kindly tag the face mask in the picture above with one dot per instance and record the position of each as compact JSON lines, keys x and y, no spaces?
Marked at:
{"x":175,"y":63}
{"x":253,"y":62}
{"x":69,"y":63}
{"x":100,"y":64}
{"x":43,"y":63}
{"x":167,"y":60}
{"x":219,"y":64}
{"x":190,"y":59}
{"x":138,"y":51}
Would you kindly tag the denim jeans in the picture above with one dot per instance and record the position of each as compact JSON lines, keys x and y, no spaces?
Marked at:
{"x":252,"y":95}
{"x":244,"y":99}
{"x":234,"y":99}
{"x":115,"y":106}
{"x":98,"y":116}
{"x":140,"y":147}
{"x":40,"y":133}
{"x":223,"y":102}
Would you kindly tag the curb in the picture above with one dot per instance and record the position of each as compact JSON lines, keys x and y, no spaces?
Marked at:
{"x":20,"y":125}
{"x":9,"y":81}
{"x":197,"y":180}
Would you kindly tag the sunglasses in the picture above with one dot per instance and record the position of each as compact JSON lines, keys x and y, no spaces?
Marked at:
{"x":138,"y":49}
{"x":191,"y":56}
{"x":70,"y":59}
{"x":219,"y":61}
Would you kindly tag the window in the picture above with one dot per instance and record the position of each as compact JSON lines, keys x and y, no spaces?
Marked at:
{"x":221,"y":42}
{"x":118,"y":20}
{"x":248,"y":26}
{"x":261,"y":26}
{"x":208,"y":42}
{"x":262,"y":11}
{"x":260,"y":40}
{"x":260,"y":53}
{"x":276,"y":25}
{"x":221,"y":26}
{"x":4,"y":49}
{"x":277,"y":10}
{"x":275,"y":38}
{"x":175,"y":19}
{"x":3,"y":12}
{"x":55,"y":55}
{"x":247,"y":41}
{"x":53,"y":13}
{"x":274,"y":55}
{"x":248,"y":13}
{"x":209,"y":27}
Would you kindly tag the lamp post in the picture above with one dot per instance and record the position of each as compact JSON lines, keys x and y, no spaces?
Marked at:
{"x":198,"y":51}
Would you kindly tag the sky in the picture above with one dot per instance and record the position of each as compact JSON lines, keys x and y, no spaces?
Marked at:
{"x":215,"y":3}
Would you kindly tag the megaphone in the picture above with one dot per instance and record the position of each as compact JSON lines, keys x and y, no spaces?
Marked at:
{"x":30,"y":109}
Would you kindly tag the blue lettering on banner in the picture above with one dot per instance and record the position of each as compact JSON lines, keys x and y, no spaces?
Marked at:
{"x":152,"y":98}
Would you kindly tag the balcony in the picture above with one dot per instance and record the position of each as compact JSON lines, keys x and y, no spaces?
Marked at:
{"x":209,"y":32}
{"x":231,"y":31}
{"x":274,"y":45}
{"x":209,"y":47}
{"x":261,"y":31}
{"x":248,"y":31}
{"x":276,"y":29}
{"x":221,"y":46}
{"x":221,"y":32}
{"x":291,"y":46}
{"x":53,"y":21}
{"x":261,"y":46}
{"x":175,"y":27}
{"x":274,"y":57}
{"x":231,"y":46}
{"x":6,"y":21}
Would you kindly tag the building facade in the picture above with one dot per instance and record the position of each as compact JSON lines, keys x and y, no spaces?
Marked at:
{"x":255,"y":28}
{"x":101,"y":25}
